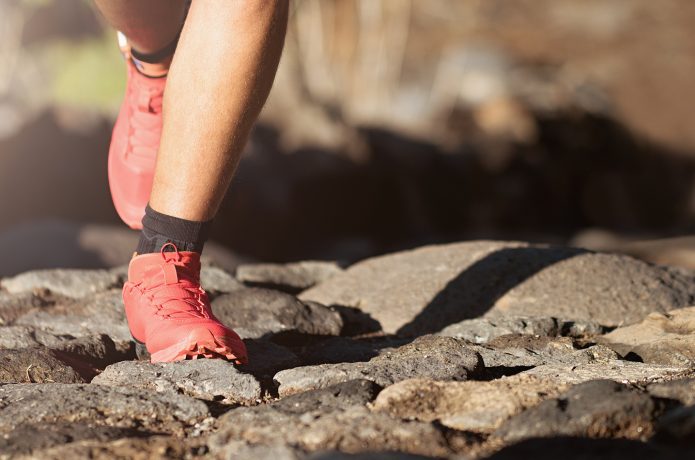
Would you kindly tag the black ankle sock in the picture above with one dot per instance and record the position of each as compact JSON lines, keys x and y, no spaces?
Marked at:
{"x":159,"y":229}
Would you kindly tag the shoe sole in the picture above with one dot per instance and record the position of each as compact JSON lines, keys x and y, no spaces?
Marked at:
{"x":196,"y":346}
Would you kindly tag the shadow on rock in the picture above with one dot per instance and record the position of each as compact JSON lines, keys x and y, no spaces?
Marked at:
{"x":476,"y":290}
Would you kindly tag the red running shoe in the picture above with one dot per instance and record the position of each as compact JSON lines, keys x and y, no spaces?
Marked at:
{"x":170,"y":313}
{"x":134,"y":144}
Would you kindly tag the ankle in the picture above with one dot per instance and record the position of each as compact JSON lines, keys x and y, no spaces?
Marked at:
{"x":150,"y":69}
{"x":152,"y":64}
{"x":159,"y":229}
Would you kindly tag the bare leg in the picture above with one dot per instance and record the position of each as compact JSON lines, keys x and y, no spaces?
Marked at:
{"x":150,"y":25}
{"x":220,"y":77}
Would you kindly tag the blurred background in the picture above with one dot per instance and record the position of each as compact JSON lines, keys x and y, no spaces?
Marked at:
{"x":392,"y":124}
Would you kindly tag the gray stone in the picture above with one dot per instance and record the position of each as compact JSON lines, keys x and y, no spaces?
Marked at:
{"x":581,"y":329}
{"x":532,"y":342}
{"x":102,"y":313}
{"x":505,"y":361}
{"x":367,"y":456}
{"x":438,"y":358}
{"x":517,"y":351}
{"x":348,"y":350}
{"x":96,"y":351}
{"x":482,"y":406}
{"x":528,"y":354}
{"x":617,"y":370}
{"x":291,"y":278}
{"x":267,"y":358}
{"x":97,"y":405}
{"x":216,"y":281}
{"x":209,"y":379}
{"x":121,"y":271}
{"x":682,"y":390}
{"x":678,"y":426}
{"x":336,"y":420}
{"x":262,"y":313}
{"x":235,"y":450}
{"x":356,"y":322}
{"x":470,"y":406}
{"x":469,"y":280}
{"x":35,"y":439}
{"x":67,"y":282}
{"x":502,"y":355}
{"x":12,"y":306}
{"x":131,"y":448}
{"x":482,"y":330}
{"x":351,"y":393}
{"x":661,"y":338}
{"x":36,"y":365}
{"x":20,"y":336}
{"x":572,"y":448}
{"x":600,"y":408}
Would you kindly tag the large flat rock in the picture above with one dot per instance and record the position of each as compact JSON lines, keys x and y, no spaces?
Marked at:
{"x":437,"y":358}
{"x":661,"y":338}
{"x":97,"y":405}
{"x":426,"y":289}
{"x":209,"y":379}
{"x":292,"y":278}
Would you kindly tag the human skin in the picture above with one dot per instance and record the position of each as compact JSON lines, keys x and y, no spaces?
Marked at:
{"x":150,"y":25}
{"x":219,"y":79}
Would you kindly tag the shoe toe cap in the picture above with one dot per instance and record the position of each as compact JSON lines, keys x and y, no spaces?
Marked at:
{"x":191,"y":340}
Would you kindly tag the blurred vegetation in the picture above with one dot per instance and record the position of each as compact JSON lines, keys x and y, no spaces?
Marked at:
{"x":86,"y":74}
{"x":81,"y":69}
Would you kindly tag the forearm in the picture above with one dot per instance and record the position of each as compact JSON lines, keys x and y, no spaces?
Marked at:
{"x":220,"y":78}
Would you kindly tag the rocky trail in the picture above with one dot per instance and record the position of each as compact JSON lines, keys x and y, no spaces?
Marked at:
{"x":473,"y":350}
